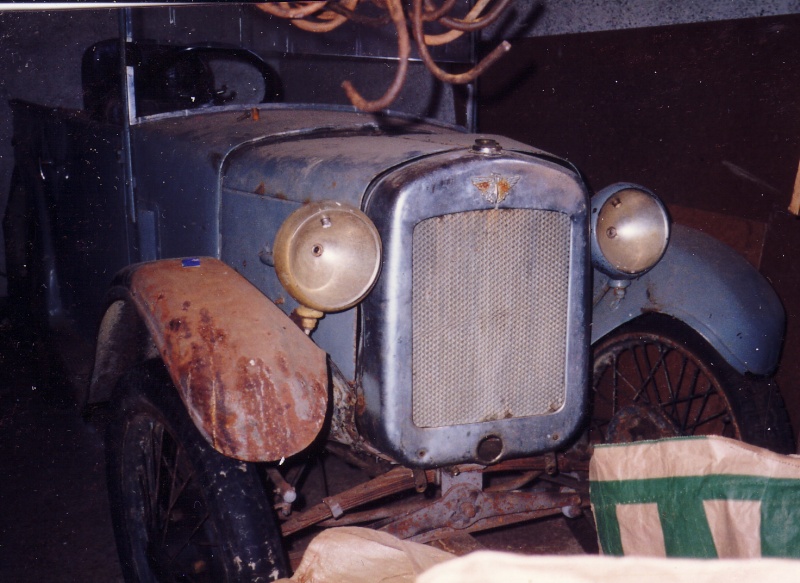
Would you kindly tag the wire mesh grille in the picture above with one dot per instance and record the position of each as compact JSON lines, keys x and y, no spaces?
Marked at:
{"x":489,"y":315}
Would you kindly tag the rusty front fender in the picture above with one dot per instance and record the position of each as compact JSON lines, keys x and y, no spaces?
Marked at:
{"x":254,"y":384}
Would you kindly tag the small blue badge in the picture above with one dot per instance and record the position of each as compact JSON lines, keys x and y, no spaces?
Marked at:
{"x":190,"y":262}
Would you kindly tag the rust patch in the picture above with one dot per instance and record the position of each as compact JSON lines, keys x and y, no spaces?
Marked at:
{"x":255,"y":386}
{"x":504,"y":186}
{"x":495,"y":187}
{"x":261,"y":189}
{"x":177,"y":326}
{"x":361,"y":405}
{"x":343,"y":421}
{"x":208,"y":331}
{"x":283,"y":364}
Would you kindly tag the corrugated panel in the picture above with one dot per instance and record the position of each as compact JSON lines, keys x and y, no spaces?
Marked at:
{"x":489,"y":315}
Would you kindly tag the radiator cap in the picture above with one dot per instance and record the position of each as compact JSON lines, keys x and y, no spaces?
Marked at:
{"x":487,"y":146}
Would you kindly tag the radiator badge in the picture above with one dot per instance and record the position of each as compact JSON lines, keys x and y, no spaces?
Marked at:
{"x":495,"y":188}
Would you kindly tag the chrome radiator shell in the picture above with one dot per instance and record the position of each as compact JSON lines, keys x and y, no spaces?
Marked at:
{"x":428,"y":396}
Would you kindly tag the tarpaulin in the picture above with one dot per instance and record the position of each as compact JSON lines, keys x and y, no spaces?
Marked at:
{"x":696,"y":497}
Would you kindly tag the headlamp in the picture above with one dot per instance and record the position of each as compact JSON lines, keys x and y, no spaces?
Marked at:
{"x":327,"y":255}
{"x":630,"y":228}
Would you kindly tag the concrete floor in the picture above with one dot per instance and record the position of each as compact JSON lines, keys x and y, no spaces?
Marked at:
{"x":54,"y":512}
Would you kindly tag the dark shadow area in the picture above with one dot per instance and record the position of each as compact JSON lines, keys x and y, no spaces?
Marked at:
{"x":55,"y":524}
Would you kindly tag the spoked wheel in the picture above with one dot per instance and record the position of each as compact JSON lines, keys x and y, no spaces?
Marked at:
{"x":182,"y":512}
{"x":656,"y":378}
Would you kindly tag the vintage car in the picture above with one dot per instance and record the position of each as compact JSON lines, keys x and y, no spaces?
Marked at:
{"x":453,"y":313}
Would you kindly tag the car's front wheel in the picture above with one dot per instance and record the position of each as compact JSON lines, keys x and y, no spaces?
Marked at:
{"x":181,"y":510}
{"x":655,"y":377}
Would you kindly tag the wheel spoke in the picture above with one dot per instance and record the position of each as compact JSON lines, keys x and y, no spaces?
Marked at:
{"x":701,"y":418}
{"x":684,"y":421}
{"x":646,"y":380}
{"x":671,"y":389}
{"x":637,"y":362}
{"x":163,"y":487}
{"x":663,"y":378}
{"x":618,"y":375}
{"x":157,"y":440}
{"x":175,"y":490}
{"x":674,"y":394}
{"x":149,"y":482}
{"x":707,"y":420}
{"x":164,"y":480}
{"x":650,"y":379}
{"x":188,"y":538}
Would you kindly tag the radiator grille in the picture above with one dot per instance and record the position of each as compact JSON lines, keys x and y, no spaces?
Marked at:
{"x":489,"y":315}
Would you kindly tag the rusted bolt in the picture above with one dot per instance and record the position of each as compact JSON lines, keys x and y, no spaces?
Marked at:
{"x":616,"y":202}
{"x":468,"y":510}
{"x":265,"y":256}
{"x":550,"y":464}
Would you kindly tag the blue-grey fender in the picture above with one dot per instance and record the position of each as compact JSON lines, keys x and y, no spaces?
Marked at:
{"x":711,"y":288}
{"x":254,"y":384}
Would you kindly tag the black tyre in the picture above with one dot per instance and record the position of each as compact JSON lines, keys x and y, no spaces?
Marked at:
{"x":655,"y":377}
{"x":182,"y":511}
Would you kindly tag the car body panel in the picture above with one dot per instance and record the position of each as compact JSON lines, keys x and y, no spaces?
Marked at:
{"x":254,"y":384}
{"x":710,"y":287}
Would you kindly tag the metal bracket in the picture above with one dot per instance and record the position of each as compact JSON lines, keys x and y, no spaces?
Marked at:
{"x":464,"y":509}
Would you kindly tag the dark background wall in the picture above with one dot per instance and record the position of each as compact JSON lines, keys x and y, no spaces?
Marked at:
{"x":40,"y":56}
{"x":706,"y":114}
